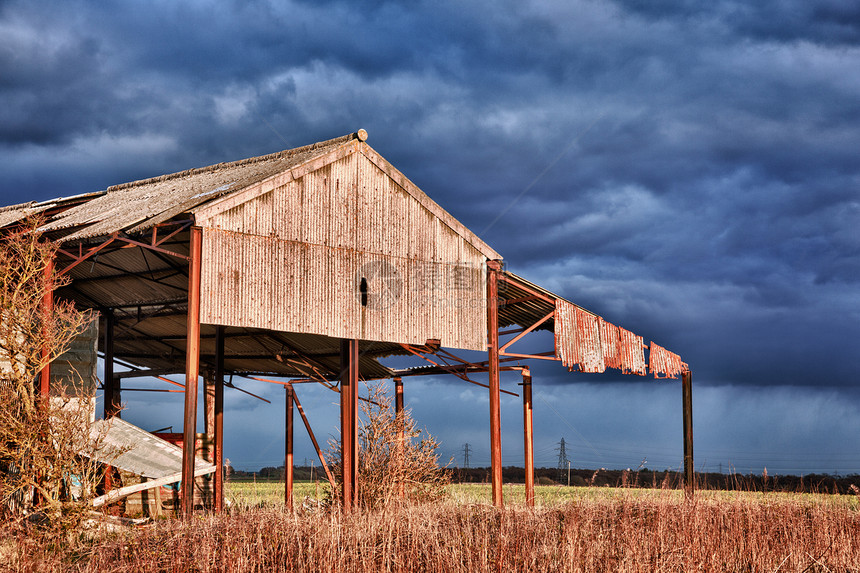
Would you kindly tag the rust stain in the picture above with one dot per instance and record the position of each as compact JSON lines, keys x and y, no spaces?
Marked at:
{"x":632,"y":353}
{"x":664,"y":363}
{"x":593,"y":344}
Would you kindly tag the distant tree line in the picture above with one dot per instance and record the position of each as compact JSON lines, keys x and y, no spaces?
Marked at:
{"x":810,"y":483}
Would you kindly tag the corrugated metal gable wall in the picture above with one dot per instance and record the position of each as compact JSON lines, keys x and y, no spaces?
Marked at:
{"x":292,"y":260}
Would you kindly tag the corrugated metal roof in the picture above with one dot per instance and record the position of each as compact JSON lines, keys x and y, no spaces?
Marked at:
{"x":526,"y":313}
{"x":582,"y":338}
{"x":14,"y":213}
{"x":139,"y":205}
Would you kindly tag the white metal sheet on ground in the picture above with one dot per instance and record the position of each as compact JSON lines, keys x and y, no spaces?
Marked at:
{"x":144,"y":453}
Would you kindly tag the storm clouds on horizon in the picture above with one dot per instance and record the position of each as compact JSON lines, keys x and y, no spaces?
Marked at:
{"x":687,"y":171}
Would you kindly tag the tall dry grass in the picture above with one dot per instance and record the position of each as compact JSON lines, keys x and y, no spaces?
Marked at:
{"x":620,"y":533}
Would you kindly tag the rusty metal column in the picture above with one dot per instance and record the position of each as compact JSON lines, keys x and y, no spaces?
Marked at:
{"x":111,"y":398}
{"x":493,"y":270}
{"x":112,"y":392}
{"x":401,"y":431}
{"x":207,"y":445}
{"x":192,"y":371}
{"x":47,"y":314}
{"x":398,"y":396}
{"x":687,"y":405}
{"x":209,"y":414}
{"x":528,"y":437}
{"x":288,"y":450}
{"x":349,"y":421}
{"x":219,"y":419}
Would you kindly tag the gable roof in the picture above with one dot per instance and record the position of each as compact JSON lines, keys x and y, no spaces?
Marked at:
{"x":140,"y":205}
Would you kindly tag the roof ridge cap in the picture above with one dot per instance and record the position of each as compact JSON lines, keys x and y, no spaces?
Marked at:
{"x":18,"y":206}
{"x":361,"y":135}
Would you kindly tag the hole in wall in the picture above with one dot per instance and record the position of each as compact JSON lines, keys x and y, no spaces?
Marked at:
{"x":362,"y":288}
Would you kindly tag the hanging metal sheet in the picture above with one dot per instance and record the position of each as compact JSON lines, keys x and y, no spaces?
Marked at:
{"x":664,"y":363}
{"x":632,"y":352}
{"x":610,"y":339}
{"x":577,"y":338}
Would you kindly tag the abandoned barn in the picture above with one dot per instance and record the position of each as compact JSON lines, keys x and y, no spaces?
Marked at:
{"x":307,"y":265}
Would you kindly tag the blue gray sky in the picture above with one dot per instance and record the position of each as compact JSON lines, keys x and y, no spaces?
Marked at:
{"x":686,"y":170}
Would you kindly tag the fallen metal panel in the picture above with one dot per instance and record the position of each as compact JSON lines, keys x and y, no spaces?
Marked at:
{"x":141,"y":452}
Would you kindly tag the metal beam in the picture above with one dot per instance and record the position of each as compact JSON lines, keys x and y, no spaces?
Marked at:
{"x":398,"y":395}
{"x":687,"y":406}
{"x":81,"y":256}
{"x":209,"y":431}
{"x":148,"y":275}
{"x":528,"y":437}
{"x":153,"y":372}
{"x":132,"y":243}
{"x":399,"y":415}
{"x":288,"y":450}
{"x":493,"y":270}
{"x":219,"y":419}
{"x":526,"y":331}
{"x":112,"y":397}
{"x":313,"y":438}
{"x":192,"y":371}
{"x":349,"y":421}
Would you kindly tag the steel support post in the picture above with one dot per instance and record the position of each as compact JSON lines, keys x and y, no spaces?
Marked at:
{"x":401,"y":428}
{"x":208,"y":446}
{"x":219,"y":419}
{"x":398,"y":395}
{"x":288,"y":449}
{"x":528,"y":437}
{"x":349,"y":421}
{"x":687,"y":404}
{"x":112,"y":397}
{"x":493,"y":270}
{"x":209,"y":413}
{"x":47,"y":314}
{"x":192,"y":371}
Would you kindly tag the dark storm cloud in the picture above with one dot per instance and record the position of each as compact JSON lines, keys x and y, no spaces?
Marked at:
{"x":686,"y":171}
{"x":827,"y":22}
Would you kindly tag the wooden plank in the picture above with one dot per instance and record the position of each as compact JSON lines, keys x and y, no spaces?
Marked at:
{"x":117,"y":494}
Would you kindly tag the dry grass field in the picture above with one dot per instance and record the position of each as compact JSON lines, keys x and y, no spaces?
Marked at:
{"x":572,"y":529}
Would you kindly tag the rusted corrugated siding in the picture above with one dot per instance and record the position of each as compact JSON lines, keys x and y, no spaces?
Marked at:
{"x":610,"y":338}
{"x":292,"y":260}
{"x":663,"y":363}
{"x":593,"y":344}
{"x":632,"y":352}
{"x":577,"y":338}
